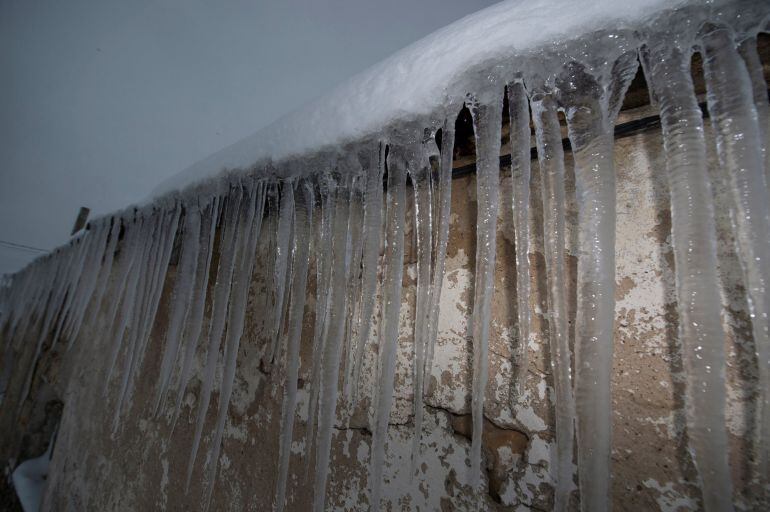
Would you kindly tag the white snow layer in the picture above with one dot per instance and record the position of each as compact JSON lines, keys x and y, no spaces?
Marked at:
{"x":415,"y":81}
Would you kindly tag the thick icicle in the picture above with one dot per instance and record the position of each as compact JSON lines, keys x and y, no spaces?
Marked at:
{"x":734,"y":118}
{"x":334,"y":338}
{"x":303,"y":221}
{"x":353,"y":321}
{"x":694,"y":243}
{"x":551,"y":160}
{"x":249,"y":228}
{"x":153,"y":291}
{"x":590,"y":111}
{"x":218,"y":314}
{"x":421,"y":174}
{"x":748,"y":50}
{"x":372,"y":235}
{"x":283,"y":242}
{"x":88,"y":277}
{"x":180,"y":299}
{"x":520,"y":173}
{"x":193,"y":334}
{"x":103,"y":275}
{"x":391,"y":306}
{"x":323,"y":292}
{"x":131,"y":259}
{"x":443,"y":192}
{"x":487,"y":114}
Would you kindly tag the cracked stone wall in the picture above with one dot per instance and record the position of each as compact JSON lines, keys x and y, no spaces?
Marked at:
{"x":143,"y":465}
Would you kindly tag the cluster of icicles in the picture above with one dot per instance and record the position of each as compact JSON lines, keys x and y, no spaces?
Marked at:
{"x":349,"y":217}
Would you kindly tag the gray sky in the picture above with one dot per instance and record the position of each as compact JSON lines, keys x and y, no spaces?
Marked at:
{"x":102,"y":100}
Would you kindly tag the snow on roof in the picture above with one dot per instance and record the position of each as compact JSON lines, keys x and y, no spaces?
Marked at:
{"x":413,"y":82}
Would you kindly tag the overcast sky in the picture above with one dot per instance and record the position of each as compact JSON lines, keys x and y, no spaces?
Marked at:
{"x":102,"y":100}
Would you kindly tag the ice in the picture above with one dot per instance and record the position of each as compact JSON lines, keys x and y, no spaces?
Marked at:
{"x":218,"y":314}
{"x":193,"y":334}
{"x":421,"y":174}
{"x":144,"y":321}
{"x":283,"y":241}
{"x":323,"y":291}
{"x":518,"y":108}
{"x":334,"y":333}
{"x":395,"y":202}
{"x":249,"y":228}
{"x":180,"y":299}
{"x":303,"y":219}
{"x":551,"y":160}
{"x":694,"y":243}
{"x":487,"y":114}
{"x":388,"y":122}
{"x":589,"y":111}
{"x":748,"y":50}
{"x":740,"y":148}
{"x":372,"y":236}
{"x":443,"y":199}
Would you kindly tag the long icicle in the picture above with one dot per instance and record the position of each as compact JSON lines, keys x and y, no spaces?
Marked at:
{"x":303,"y":221}
{"x":551,"y":160}
{"x":323,"y":291}
{"x":518,"y":109}
{"x":218,"y":314}
{"x":694,"y":243}
{"x":283,"y":241}
{"x":442,"y":189}
{"x":250,"y":227}
{"x":193,"y":334}
{"x":181,"y":299}
{"x":591,"y":106}
{"x":748,"y":50}
{"x":335,"y":332}
{"x":739,"y":145}
{"x":487,"y":120}
{"x":372,"y":236}
{"x":421,"y":174}
{"x":391,"y":290}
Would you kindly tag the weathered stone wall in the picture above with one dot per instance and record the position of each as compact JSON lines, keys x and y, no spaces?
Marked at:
{"x":143,"y":464}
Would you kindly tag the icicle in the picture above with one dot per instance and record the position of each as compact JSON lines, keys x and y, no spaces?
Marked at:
{"x":283,"y":241}
{"x":249,"y":229}
{"x":323,"y":292}
{"x":353,"y":321}
{"x":421,"y":172}
{"x":74,"y":273}
{"x":734,"y":118}
{"x":131,"y":259}
{"x":132,"y":316}
{"x":154,"y":289}
{"x":443,"y":192}
{"x":694,"y":243}
{"x":520,"y":174}
{"x":222,"y":287}
{"x":101,"y":277}
{"x":590,"y":131}
{"x":372,"y":235}
{"x":193,"y":333}
{"x":487,"y":119}
{"x":88,"y":276}
{"x":180,"y":300}
{"x":303,"y":222}
{"x":748,"y":50}
{"x":334,"y":338}
{"x":551,"y":161}
{"x":391,"y":292}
